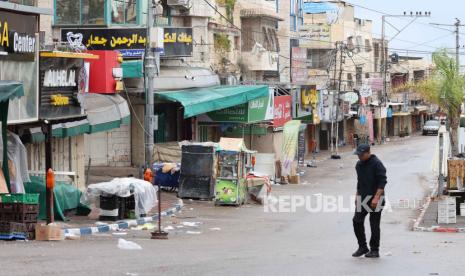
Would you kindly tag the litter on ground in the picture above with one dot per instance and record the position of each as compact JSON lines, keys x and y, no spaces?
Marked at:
{"x":128,"y":245}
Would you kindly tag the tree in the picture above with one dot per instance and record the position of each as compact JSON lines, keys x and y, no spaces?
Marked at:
{"x":446,"y":88}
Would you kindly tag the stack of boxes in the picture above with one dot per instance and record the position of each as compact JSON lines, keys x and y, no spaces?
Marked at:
{"x":18,"y":216}
{"x":447,"y":210}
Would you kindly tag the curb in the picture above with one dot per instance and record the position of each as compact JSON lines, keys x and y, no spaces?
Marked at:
{"x":122,"y":224}
{"x":436,"y":228}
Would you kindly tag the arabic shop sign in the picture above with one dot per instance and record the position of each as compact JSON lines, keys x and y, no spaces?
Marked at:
{"x":105,"y":39}
{"x":282,"y":110}
{"x":177,"y":42}
{"x":18,"y":33}
{"x":130,"y":41}
{"x":254,"y":111}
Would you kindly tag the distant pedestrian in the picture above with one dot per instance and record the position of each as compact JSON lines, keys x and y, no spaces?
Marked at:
{"x":371,"y":180}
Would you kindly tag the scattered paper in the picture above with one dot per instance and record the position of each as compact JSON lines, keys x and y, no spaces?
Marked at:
{"x":168,"y":228}
{"x":72,"y":237}
{"x":191,"y":209}
{"x":190,"y":224}
{"x":215,"y":229}
{"x":128,"y":245}
{"x":179,"y":226}
{"x":193,"y":232}
{"x":388,"y":253}
{"x":147,"y":226}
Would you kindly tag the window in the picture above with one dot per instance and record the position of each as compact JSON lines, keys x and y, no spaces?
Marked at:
{"x":124,"y":11}
{"x":92,"y":12}
{"x":67,"y":12}
{"x":358,"y":76}
{"x":367,"y":45}
{"x":318,"y":58}
{"x":350,"y":82}
{"x":24,"y":2}
{"x":367,"y":75}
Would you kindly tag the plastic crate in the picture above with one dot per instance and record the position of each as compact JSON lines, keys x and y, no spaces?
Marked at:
{"x":20,"y":198}
{"x":8,"y":227}
{"x":18,"y":208}
{"x":19,"y":217}
{"x":109,"y":202}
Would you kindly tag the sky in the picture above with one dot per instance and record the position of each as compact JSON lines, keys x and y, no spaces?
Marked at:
{"x":420,"y":35}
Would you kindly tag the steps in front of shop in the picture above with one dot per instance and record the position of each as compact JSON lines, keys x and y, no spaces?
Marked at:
{"x":102,"y":174}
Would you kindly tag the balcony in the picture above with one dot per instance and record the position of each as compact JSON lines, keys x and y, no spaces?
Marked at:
{"x":260,"y":59}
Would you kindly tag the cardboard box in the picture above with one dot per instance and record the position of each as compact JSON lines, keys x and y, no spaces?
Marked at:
{"x":49,"y":232}
{"x":294,"y":179}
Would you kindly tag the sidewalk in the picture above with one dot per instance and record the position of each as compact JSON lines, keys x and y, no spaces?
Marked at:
{"x":86,"y":225}
{"x":427,"y":221}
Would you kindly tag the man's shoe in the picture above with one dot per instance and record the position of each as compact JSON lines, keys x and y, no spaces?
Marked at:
{"x":372,"y":254}
{"x":360,"y":252}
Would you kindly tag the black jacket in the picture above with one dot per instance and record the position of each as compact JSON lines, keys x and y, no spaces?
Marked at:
{"x":371,"y":176}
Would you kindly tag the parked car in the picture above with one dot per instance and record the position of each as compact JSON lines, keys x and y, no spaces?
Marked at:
{"x":431,"y":127}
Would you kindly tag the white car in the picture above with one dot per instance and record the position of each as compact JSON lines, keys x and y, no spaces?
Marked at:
{"x":431,"y":127}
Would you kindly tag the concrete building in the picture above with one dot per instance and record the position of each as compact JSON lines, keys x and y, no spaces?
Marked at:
{"x":412,"y":110}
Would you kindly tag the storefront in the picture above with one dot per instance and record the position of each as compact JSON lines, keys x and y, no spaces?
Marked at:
{"x":62,"y":80}
{"x":19,"y":61}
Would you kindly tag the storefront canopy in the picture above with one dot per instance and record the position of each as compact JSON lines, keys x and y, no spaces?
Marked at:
{"x":10,"y":90}
{"x":203,"y":100}
{"x":104,"y":112}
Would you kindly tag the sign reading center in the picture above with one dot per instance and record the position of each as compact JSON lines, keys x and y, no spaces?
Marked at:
{"x":18,"y":33}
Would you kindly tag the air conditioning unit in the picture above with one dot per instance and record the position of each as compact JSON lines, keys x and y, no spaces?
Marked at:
{"x":178,"y":3}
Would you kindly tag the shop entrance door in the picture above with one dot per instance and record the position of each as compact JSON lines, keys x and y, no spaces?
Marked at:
{"x":324,"y":140}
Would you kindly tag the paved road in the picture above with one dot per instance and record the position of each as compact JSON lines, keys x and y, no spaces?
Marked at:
{"x":253,"y":242}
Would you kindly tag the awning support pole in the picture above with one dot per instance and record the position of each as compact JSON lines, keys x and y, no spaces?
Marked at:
{"x":47,"y":129}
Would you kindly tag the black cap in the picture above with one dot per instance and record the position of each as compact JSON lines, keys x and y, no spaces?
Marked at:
{"x":361,"y":149}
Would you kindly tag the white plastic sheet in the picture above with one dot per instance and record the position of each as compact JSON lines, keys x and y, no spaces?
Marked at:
{"x":145,"y":194}
{"x":17,"y":154}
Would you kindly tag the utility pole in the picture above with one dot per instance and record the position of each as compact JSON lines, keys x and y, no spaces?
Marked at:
{"x":152,"y":66}
{"x":457,"y":26}
{"x":384,"y":53}
{"x":333,"y":88}
{"x":341,"y":49}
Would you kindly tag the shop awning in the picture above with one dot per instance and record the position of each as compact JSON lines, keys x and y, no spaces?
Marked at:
{"x":421,"y":108}
{"x":10,"y":90}
{"x":401,"y":114}
{"x":203,"y":100}
{"x":104,"y":112}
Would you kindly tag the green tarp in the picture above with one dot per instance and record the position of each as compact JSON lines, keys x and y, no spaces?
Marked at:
{"x":202,"y":100}
{"x":132,"y":69}
{"x":10,"y":90}
{"x":66,"y":197}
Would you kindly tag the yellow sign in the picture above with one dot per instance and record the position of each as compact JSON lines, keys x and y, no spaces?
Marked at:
{"x":59,"y":100}
{"x":313,"y":98}
{"x":116,"y":41}
{"x":305,"y":97}
{"x":174,"y":37}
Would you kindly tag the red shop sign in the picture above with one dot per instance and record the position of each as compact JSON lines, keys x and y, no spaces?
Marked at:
{"x":282,"y":110}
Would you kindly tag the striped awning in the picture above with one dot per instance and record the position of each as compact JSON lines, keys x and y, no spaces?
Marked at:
{"x":105,"y":112}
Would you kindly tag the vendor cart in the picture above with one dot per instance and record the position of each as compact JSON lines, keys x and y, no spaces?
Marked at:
{"x":234,"y":162}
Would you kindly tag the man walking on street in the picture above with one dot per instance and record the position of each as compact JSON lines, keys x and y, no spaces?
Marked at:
{"x":371,"y":179}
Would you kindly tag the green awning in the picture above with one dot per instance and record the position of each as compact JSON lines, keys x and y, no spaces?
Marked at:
{"x":202,"y":100}
{"x":10,"y":90}
{"x":105,"y":112}
{"x":132,"y":69}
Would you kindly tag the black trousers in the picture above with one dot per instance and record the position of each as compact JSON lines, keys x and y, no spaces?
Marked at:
{"x":359,"y":228}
